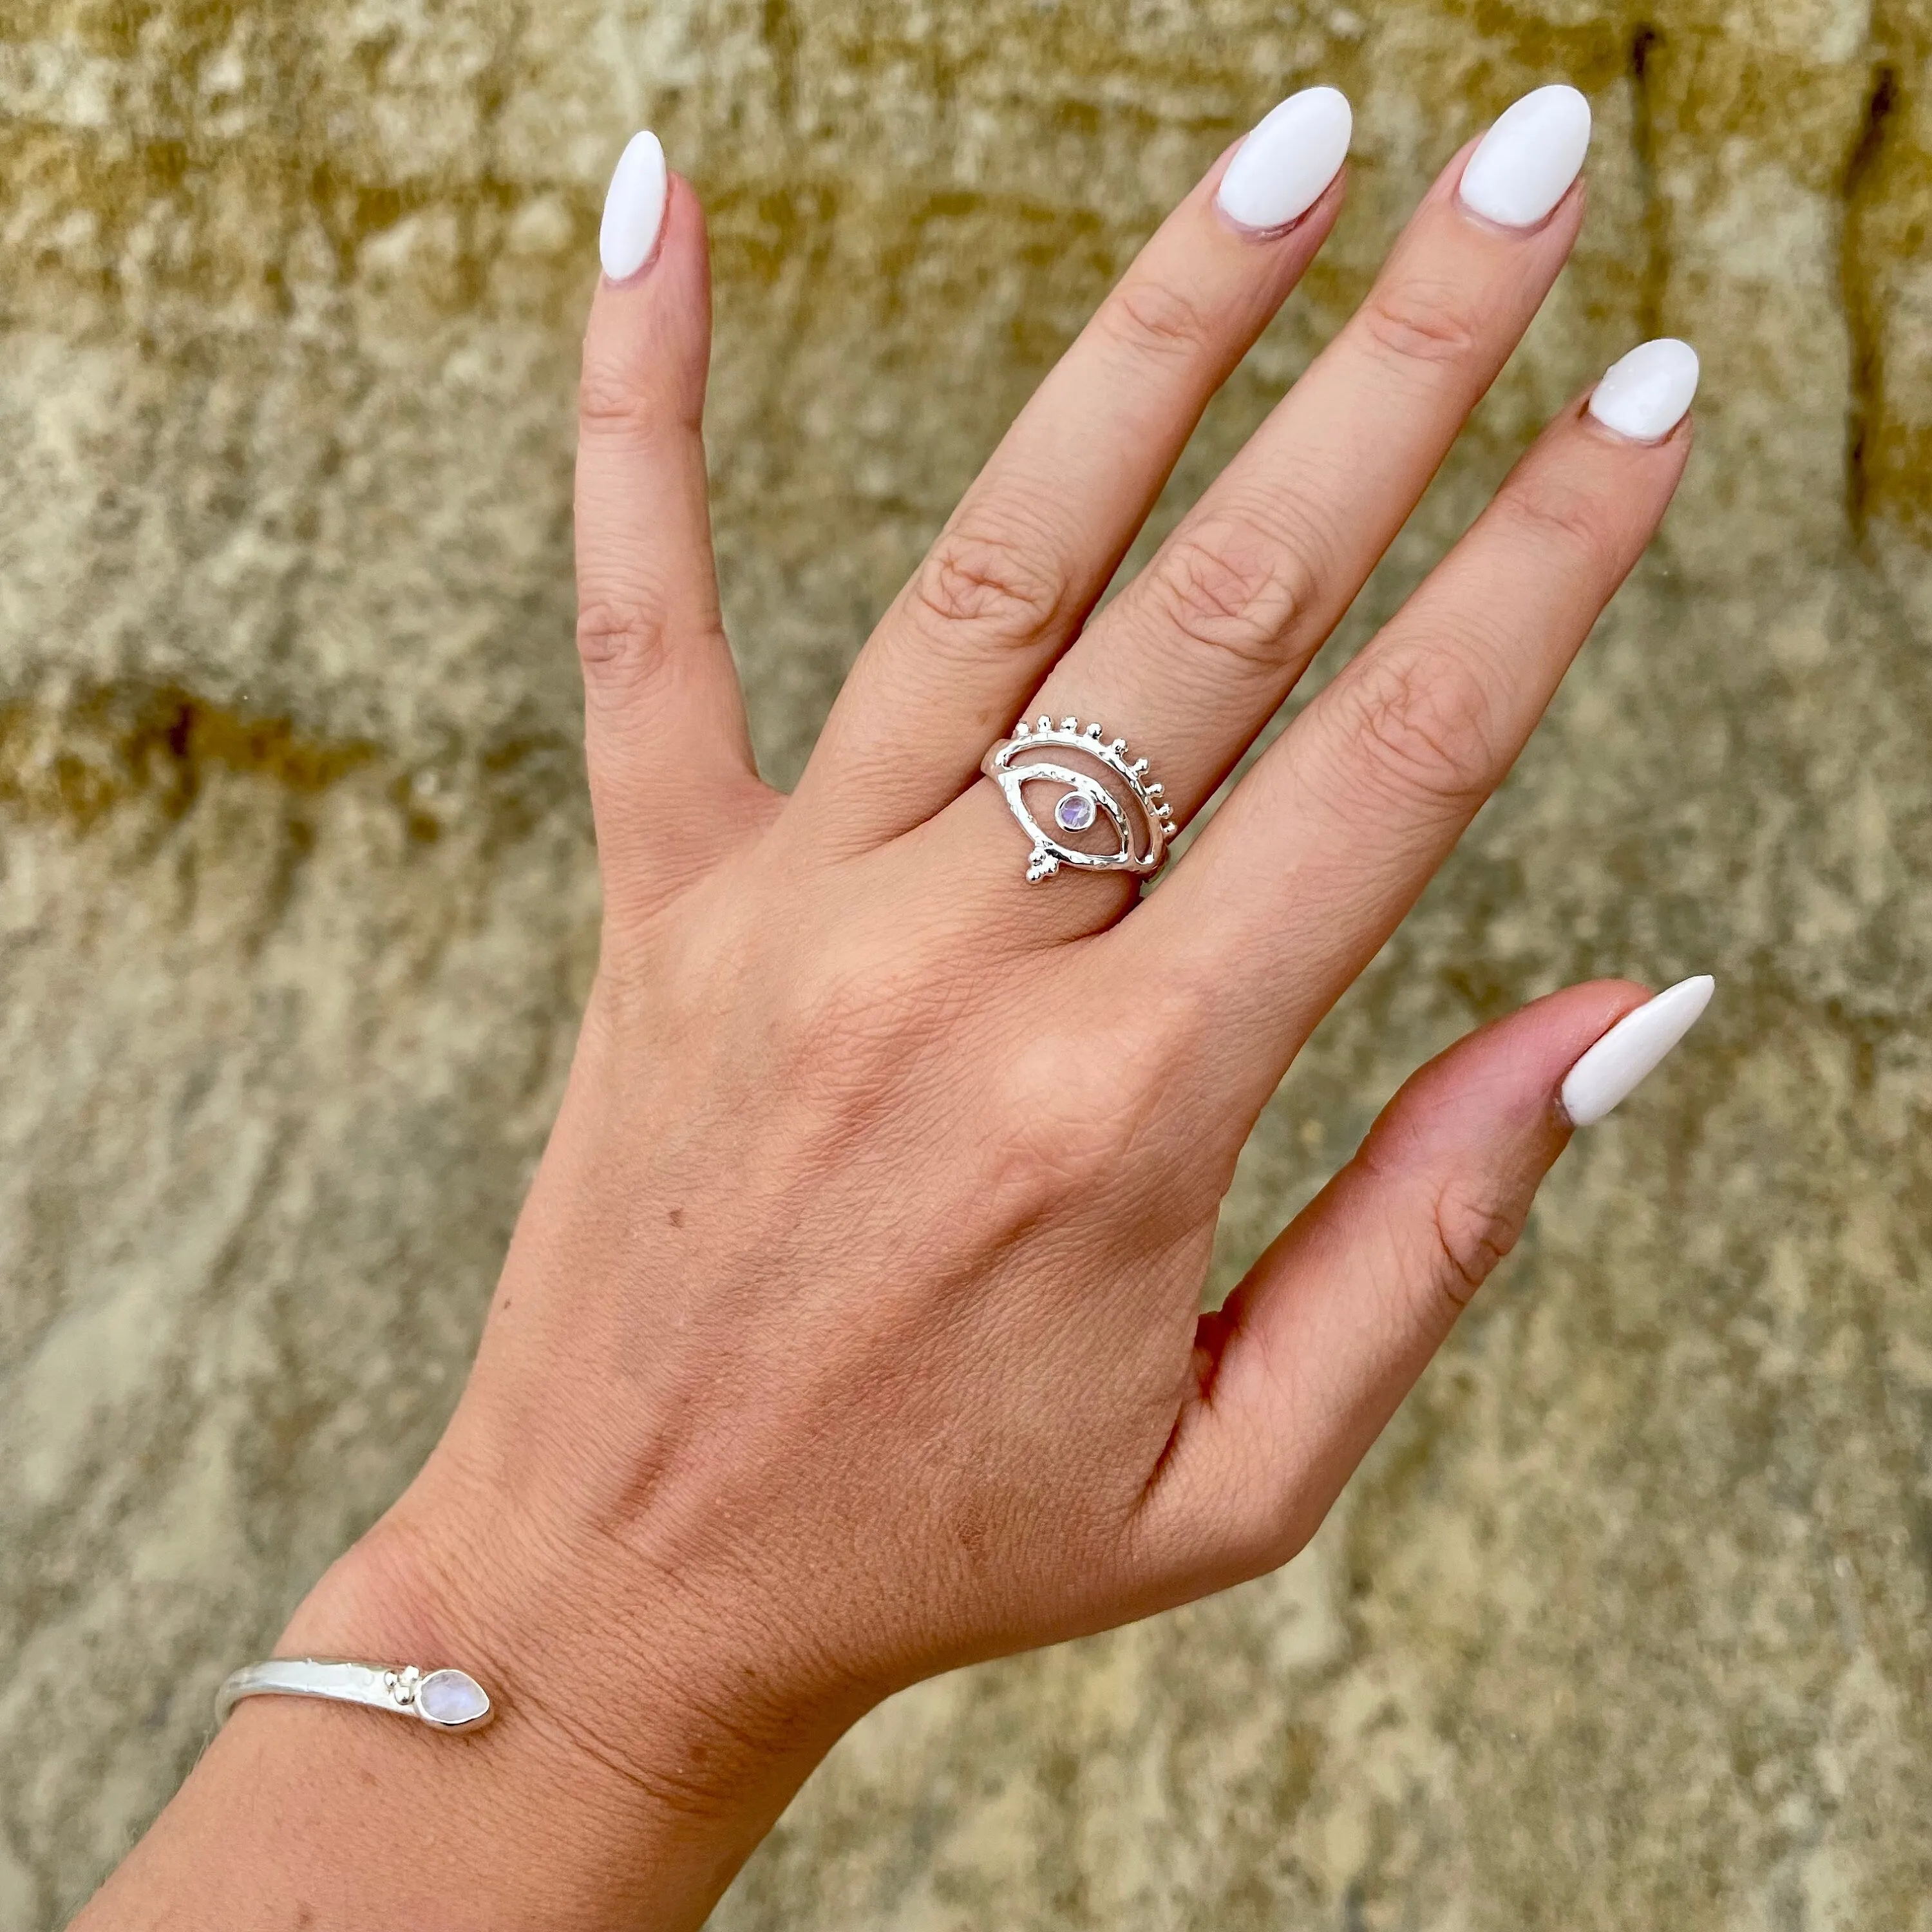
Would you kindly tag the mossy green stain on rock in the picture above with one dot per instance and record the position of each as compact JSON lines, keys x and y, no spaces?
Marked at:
{"x":115,"y":744}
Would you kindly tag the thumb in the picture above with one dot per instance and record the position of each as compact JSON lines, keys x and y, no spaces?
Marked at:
{"x":1317,"y":1346}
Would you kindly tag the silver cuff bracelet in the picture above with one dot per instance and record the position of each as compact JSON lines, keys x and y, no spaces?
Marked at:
{"x":445,"y":1700}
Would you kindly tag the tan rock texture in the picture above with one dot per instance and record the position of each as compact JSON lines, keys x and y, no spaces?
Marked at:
{"x":1625,"y":1623}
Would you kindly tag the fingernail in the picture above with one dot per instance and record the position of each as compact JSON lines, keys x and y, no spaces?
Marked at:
{"x":1609,"y":1072}
{"x":1279,"y":171}
{"x":1523,"y":166}
{"x":1643,"y":395}
{"x":633,"y":208}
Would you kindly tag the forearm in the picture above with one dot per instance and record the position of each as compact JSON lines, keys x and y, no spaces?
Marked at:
{"x":622,"y":1782}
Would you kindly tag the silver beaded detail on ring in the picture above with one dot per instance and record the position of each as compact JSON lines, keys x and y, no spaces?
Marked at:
{"x":1084,"y":801}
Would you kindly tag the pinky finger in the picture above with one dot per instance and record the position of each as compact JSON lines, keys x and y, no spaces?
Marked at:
{"x":1317,"y":1348}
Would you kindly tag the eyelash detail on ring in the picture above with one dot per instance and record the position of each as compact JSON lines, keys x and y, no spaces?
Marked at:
{"x":1050,"y":853}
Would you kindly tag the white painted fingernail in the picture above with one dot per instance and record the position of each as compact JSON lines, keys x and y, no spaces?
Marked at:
{"x":1523,"y":166}
{"x":1609,"y":1073}
{"x":1643,"y":395}
{"x":1279,"y":171}
{"x":634,"y":208}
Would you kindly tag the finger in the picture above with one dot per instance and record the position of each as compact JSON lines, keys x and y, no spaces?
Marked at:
{"x":670,"y":758}
{"x":1195,"y":656}
{"x":1300,"y":1370}
{"x":1334,"y":833}
{"x":1034,"y":542}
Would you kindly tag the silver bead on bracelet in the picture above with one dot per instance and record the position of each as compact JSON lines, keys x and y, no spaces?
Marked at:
{"x":445,"y":1700}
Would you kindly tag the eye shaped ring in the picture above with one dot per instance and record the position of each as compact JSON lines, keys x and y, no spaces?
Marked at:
{"x":1084,"y":800}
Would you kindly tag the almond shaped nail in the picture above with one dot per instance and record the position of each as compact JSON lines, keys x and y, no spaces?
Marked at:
{"x":1643,"y":395}
{"x":634,"y":207}
{"x":1523,"y":166}
{"x":1279,"y":173}
{"x":1612,"y":1068}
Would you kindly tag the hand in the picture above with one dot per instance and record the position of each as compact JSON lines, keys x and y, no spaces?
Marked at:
{"x":851,"y":1331}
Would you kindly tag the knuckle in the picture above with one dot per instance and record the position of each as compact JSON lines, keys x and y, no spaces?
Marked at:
{"x":618,"y":641}
{"x":1469,"y":1233}
{"x":615,"y":408}
{"x":1428,"y":325}
{"x":609,"y":399}
{"x":1423,"y":729}
{"x":1157,"y":317}
{"x":1228,"y":587}
{"x":1552,"y":514}
{"x":993,"y":588}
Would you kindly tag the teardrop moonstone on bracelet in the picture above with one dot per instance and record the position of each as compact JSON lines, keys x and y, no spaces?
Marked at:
{"x":445,"y":1700}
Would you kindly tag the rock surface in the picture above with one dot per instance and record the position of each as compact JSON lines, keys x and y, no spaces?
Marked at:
{"x":1625,"y":1623}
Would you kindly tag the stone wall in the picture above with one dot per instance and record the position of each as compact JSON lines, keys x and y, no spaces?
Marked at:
{"x":1625,"y":1622}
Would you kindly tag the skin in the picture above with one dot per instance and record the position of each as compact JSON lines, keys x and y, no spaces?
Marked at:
{"x":850,"y":1330}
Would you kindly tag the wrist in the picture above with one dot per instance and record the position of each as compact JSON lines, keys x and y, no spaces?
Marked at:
{"x":635,"y":1759}
{"x":642,"y":1743}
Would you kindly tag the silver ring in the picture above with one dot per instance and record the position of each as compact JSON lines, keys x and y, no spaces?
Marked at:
{"x":445,"y":1700}
{"x":1085,"y":799}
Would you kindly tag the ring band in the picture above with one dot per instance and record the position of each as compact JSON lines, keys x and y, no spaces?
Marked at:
{"x":445,"y":1700}
{"x":1085,"y":800}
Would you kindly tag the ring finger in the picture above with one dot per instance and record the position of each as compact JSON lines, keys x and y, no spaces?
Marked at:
{"x":1195,"y":655}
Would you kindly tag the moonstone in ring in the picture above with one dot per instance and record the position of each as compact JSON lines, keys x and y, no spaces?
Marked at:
{"x":1075,"y":812}
{"x":1119,"y":791}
